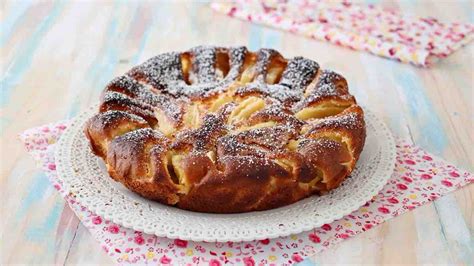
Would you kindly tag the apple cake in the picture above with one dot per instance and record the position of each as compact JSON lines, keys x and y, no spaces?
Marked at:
{"x":227,"y":130}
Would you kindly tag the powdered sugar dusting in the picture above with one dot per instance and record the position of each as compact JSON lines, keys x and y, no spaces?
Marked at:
{"x":349,"y":120}
{"x":329,"y":77}
{"x":248,"y":139}
{"x":272,"y":138}
{"x":204,"y":63}
{"x":232,"y":146}
{"x":161,"y":71}
{"x":204,"y":137}
{"x":263,"y":59}
{"x":276,"y":91}
{"x":164,"y":73}
{"x":132,"y":88}
{"x":112,"y":116}
{"x":299,"y":73}
{"x":122,"y":100}
{"x":139,"y":136}
{"x":322,"y":144}
{"x":237,"y":57}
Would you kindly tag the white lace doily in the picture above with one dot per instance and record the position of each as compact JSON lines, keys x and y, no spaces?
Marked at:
{"x":84,"y":176}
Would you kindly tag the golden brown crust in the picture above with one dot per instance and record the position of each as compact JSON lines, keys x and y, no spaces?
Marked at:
{"x":104,"y":127}
{"x":225,"y":130}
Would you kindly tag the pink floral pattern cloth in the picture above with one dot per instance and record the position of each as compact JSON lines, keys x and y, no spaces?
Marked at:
{"x":383,"y":32}
{"x":418,"y":178}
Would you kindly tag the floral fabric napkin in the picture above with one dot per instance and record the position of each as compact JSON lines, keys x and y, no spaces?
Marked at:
{"x":418,"y":178}
{"x":387,"y":33}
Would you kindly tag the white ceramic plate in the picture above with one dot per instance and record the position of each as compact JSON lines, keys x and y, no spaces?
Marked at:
{"x":84,"y":176}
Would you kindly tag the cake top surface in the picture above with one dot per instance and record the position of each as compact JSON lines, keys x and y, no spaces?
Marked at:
{"x":211,"y":113}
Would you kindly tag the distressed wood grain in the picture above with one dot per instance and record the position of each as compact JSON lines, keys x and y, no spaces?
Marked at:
{"x":56,"y":57}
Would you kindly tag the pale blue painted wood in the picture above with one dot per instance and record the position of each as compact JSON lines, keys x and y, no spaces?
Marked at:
{"x":307,"y":262}
{"x":431,"y":133}
{"x":35,"y":193}
{"x":455,"y":231}
{"x":14,"y":15}
{"x":15,"y":70}
{"x":102,"y":67}
{"x":146,"y":34}
{"x":382,"y":98}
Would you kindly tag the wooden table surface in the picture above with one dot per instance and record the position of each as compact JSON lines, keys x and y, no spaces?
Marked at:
{"x":57,"y":56}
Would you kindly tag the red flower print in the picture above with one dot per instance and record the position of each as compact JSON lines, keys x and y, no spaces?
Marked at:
{"x":326,"y":227}
{"x":406,"y":178}
{"x":97,"y":220}
{"x":314,"y":238}
{"x":139,"y":240}
{"x":426,"y":176}
{"x":454,"y":174}
{"x":232,"y":11}
{"x":113,"y":228}
{"x":200,"y":248}
{"x":248,"y":261}
{"x":383,"y":210}
{"x":392,"y":200}
{"x":368,"y":226}
{"x":181,"y":243}
{"x":296,"y":258}
{"x":265,"y":241}
{"x":52,"y":166}
{"x":411,"y":162}
{"x":427,"y":158}
{"x":344,"y":236}
{"x":446,"y":183}
{"x":165,"y":260}
{"x":392,"y":51}
{"x":214,"y":262}
{"x":430,"y":46}
{"x":402,"y":187}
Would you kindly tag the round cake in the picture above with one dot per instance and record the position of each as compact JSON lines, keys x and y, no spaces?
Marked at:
{"x":226,"y":130}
